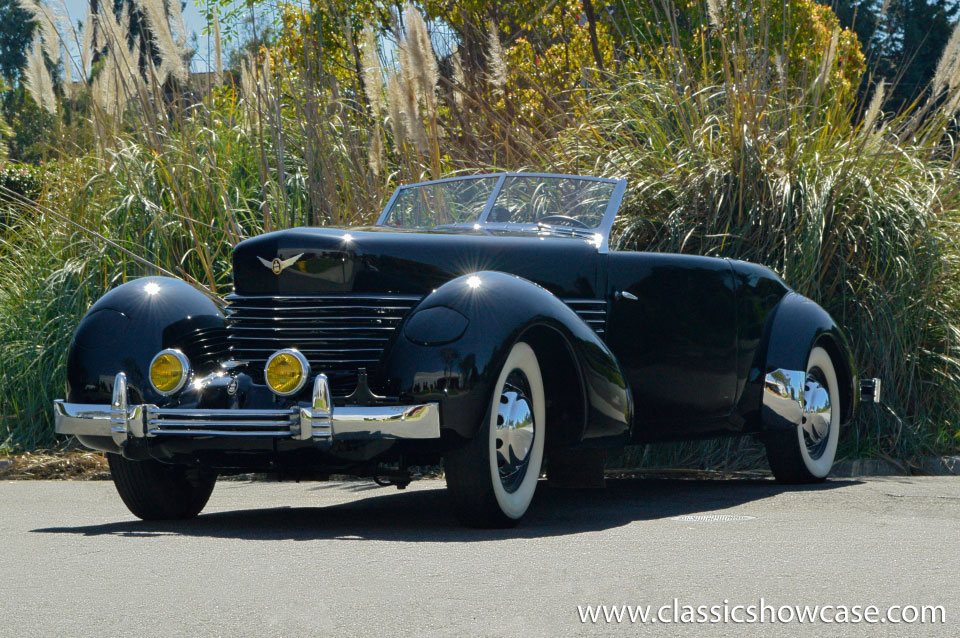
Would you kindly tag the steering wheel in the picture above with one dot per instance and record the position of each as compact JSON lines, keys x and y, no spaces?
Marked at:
{"x":563,"y":220}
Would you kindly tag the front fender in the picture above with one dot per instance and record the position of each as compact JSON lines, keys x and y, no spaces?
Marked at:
{"x":460,"y":369}
{"x":795,"y":326}
{"x":130,"y":324}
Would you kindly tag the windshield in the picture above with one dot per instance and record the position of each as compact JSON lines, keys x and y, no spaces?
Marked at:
{"x":530,"y":200}
{"x":457,"y":201}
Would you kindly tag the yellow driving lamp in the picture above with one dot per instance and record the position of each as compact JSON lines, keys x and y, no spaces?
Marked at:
{"x":286,"y":371}
{"x":169,"y":371}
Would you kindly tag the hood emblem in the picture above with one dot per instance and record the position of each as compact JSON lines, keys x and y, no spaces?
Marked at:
{"x":278,"y":265}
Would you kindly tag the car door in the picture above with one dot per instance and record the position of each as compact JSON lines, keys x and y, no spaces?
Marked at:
{"x":672,"y":327}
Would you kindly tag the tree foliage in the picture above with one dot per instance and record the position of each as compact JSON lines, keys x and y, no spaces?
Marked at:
{"x":16,"y":32}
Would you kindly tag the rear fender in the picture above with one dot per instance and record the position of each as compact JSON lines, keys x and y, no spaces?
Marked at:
{"x":795,"y":327}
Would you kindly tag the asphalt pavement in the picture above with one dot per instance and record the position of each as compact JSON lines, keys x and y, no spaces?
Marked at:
{"x":354,"y":559}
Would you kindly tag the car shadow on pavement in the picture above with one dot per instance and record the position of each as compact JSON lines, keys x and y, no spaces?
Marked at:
{"x":424,"y":514}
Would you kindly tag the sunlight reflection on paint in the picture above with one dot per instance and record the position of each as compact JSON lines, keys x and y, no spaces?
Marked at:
{"x":474,"y":282}
{"x":151,"y":288}
{"x":347,"y":237}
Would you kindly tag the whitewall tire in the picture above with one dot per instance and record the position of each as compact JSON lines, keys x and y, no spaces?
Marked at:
{"x":493,"y":478}
{"x":805,"y":454}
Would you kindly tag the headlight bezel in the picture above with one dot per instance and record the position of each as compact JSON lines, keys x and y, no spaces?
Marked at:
{"x":184,"y":370}
{"x":304,"y":367}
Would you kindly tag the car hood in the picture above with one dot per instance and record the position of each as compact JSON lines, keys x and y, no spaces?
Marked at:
{"x":377,"y":260}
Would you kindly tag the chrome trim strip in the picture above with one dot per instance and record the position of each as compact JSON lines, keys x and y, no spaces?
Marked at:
{"x":310,"y":339}
{"x":329,"y":318}
{"x":153,"y":411}
{"x":240,"y":423}
{"x":235,"y":298}
{"x":313,"y":328}
{"x":271,"y":433}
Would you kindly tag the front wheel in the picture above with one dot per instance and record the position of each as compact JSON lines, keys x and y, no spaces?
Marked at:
{"x":156,"y":491}
{"x":805,"y":454}
{"x":492,"y":479}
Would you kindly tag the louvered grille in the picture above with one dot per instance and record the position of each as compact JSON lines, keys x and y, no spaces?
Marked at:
{"x":592,"y":311}
{"x":338,"y":334}
{"x":206,"y":347}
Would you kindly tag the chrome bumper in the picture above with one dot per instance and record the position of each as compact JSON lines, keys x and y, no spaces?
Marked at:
{"x":317,"y":421}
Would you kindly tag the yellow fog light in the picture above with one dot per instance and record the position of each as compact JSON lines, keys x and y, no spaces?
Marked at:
{"x":286,"y":372}
{"x":169,"y":371}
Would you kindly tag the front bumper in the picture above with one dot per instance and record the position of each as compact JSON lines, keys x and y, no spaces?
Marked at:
{"x":316,"y":421}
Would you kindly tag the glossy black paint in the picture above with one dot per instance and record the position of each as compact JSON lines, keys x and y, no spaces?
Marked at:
{"x":676,"y":341}
{"x":381,"y":260}
{"x":502,"y":309}
{"x":758,"y":292}
{"x":126,"y":328}
{"x":686,"y":358}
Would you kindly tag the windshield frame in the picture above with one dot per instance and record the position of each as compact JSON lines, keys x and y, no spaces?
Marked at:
{"x":603,"y":230}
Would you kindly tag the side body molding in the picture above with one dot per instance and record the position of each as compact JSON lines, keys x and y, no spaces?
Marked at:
{"x":796,"y":325}
{"x":483,"y":315}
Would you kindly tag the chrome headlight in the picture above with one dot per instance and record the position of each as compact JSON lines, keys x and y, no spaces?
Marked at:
{"x":169,"y":371}
{"x":286,"y":371}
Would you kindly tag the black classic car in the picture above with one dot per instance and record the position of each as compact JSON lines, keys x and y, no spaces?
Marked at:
{"x":483,"y":321}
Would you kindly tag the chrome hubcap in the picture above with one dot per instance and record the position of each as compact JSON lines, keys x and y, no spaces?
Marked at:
{"x":817,"y":413}
{"x":515,"y":430}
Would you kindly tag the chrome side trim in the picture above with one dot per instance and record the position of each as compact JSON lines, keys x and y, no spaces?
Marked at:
{"x":782,"y":405}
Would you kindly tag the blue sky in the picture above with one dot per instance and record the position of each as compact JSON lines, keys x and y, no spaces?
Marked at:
{"x":196,"y":25}
{"x":192,"y":17}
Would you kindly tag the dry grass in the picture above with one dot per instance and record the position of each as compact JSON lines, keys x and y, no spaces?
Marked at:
{"x":56,"y":465}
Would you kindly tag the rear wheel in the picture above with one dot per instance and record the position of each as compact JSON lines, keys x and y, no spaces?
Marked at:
{"x":492,"y":479}
{"x":805,"y":454}
{"x":157,"y":491}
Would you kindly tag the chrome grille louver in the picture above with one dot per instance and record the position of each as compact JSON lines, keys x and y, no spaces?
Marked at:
{"x":206,"y":347}
{"x":174,"y":421}
{"x":338,"y":334}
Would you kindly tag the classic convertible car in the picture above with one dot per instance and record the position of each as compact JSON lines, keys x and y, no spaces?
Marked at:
{"x":485,"y":322}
